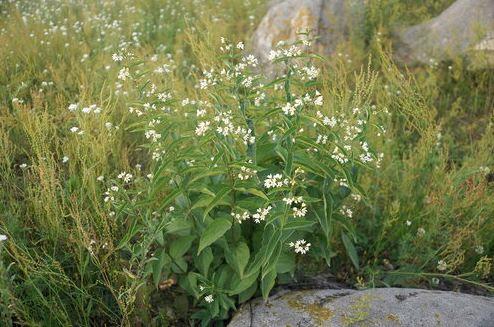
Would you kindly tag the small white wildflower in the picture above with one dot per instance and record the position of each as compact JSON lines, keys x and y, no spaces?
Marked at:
{"x":276,"y":180}
{"x":479,"y":249}
{"x":420,"y":232}
{"x":441,"y":265}
{"x":73,"y":107}
{"x":65,"y":159}
{"x":3,"y":237}
{"x":209,"y":298}
{"x":408,"y":223}
{"x":125,"y":177}
{"x":117,"y":57}
{"x":100,"y":178}
{"x":240,"y":45}
{"x":23,"y":165}
{"x":202,"y":128}
{"x":288,"y":109}
{"x":300,"y":211}
{"x":123,"y":74}
{"x":347,"y":212}
{"x":300,"y":246}
{"x":318,"y":101}
{"x":485,"y":170}
{"x":261,"y":214}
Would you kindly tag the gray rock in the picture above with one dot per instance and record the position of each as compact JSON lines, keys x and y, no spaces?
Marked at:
{"x":458,"y":30}
{"x":465,"y":28}
{"x":373,"y":307}
{"x":330,"y":20}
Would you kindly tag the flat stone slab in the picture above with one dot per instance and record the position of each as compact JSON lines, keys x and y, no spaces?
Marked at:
{"x":374,"y":307}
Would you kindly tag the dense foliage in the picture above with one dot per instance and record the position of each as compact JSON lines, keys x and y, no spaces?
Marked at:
{"x":152,"y":174}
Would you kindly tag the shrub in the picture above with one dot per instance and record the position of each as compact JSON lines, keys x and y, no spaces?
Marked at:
{"x":243,"y":178}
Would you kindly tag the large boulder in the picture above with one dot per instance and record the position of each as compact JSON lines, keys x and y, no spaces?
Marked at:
{"x":464,"y":28}
{"x":374,"y":307}
{"x":330,"y":20}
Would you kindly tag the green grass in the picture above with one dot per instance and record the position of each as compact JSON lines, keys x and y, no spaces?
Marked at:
{"x":53,"y":212}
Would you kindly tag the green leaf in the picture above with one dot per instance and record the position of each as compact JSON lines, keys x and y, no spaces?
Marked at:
{"x":244,"y":284}
{"x":180,"y":246}
{"x":253,"y":191}
{"x":133,"y":230}
{"x":267,"y":283}
{"x":178,"y":225}
{"x":158,"y":265}
{"x":298,"y":224}
{"x":169,"y":198}
{"x":248,"y":293}
{"x":204,"y":260}
{"x":221,"y":193}
{"x":274,"y":238}
{"x":214,"y":231}
{"x":242,"y":254}
{"x":350,"y":249}
{"x":286,"y":263}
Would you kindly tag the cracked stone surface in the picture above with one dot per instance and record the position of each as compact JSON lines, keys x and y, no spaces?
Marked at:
{"x":374,"y":307}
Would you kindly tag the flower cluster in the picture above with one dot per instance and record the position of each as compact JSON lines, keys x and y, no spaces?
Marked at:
{"x":258,"y":216}
{"x":276,"y":180}
{"x":300,"y":208}
{"x":246,"y":173}
{"x":300,"y":246}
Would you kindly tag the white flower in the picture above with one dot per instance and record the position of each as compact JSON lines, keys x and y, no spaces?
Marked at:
{"x":202,"y":128}
{"x":3,"y":237}
{"x":408,"y":223}
{"x":100,"y":178}
{"x":153,"y":135}
{"x":300,"y":211}
{"x":347,"y":212}
{"x":300,"y":246}
{"x":441,"y":265}
{"x":246,"y":173}
{"x":479,"y":249}
{"x":125,"y":177}
{"x":240,"y":45}
{"x":310,"y":72}
{"x":117,"y":57}
{"x":73,"y":107}
{"x":241,"y":216}
{"x":485,"y":170}
{"x":23,"y":165}
{"x":209,"y":298}
{"x":318,"y":101}
{"x":288,"y":109}
{"x":261,"y":214}
{"x":74,"y":129}
{"x":123,"y":74}
{"x":276,"y":180}
{"x":65,"y":159}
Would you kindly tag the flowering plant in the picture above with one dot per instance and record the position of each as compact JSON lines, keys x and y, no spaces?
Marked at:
{"x":244,"y":177}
